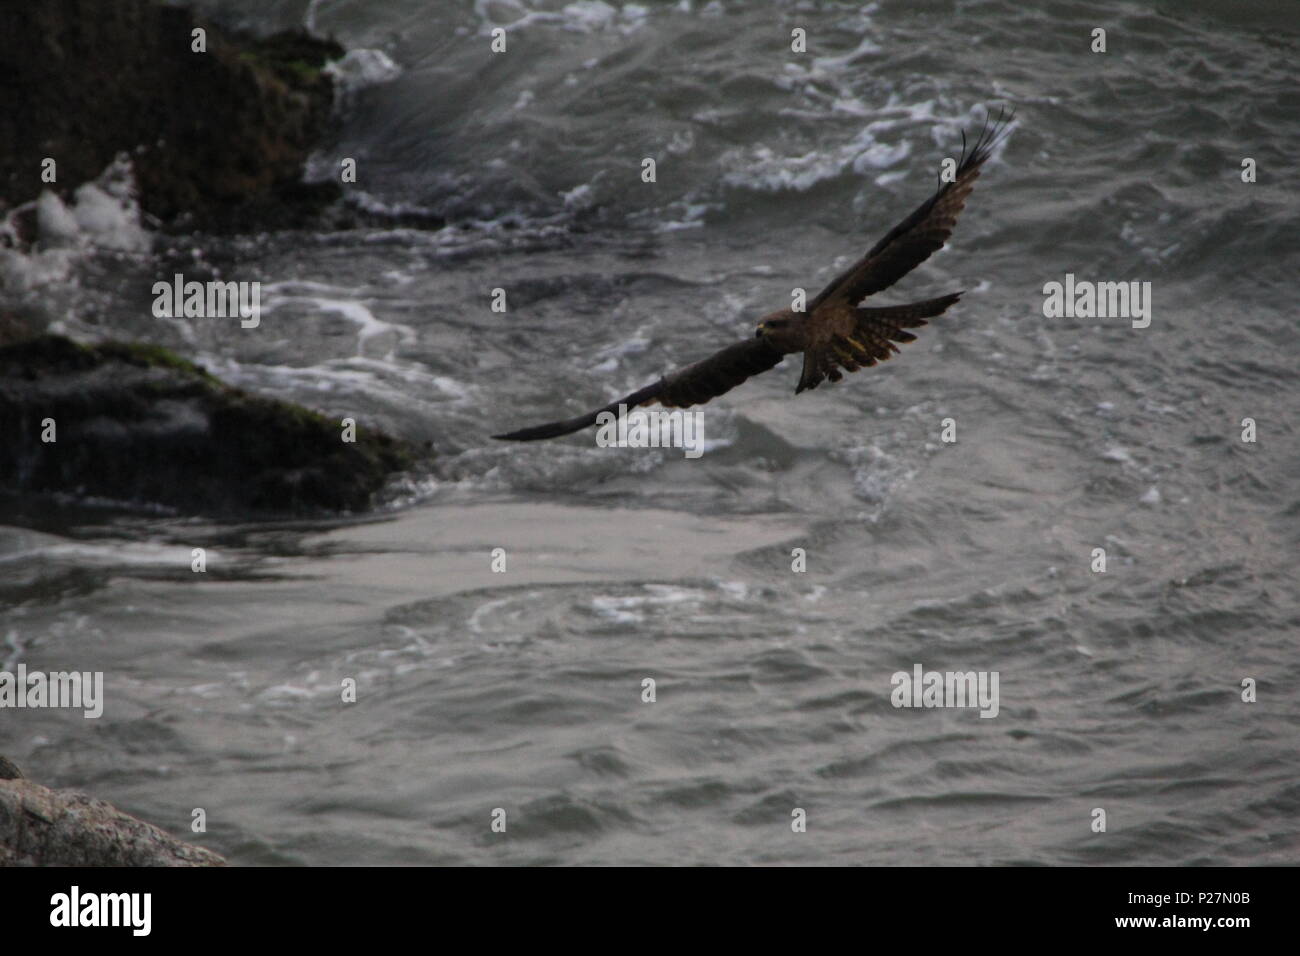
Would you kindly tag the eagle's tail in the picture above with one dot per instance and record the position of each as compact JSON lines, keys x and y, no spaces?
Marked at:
{"x":872,"y":340}
{"x":888,"y":320}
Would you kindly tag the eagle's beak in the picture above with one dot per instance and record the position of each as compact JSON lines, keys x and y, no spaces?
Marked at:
{"x":762,"y":327}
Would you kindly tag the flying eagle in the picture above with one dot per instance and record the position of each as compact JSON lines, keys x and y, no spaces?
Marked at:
{"x":835,"y":334}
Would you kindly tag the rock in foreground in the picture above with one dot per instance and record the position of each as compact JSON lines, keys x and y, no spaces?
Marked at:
{"x":135,"y":423}
{"x":43,"y":827}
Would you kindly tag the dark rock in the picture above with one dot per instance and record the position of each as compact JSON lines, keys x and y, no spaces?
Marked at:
{"x":214,"y":136}
{"x":136,"y":423}
{"x":13,"y":328}
{"x":9,"y":770}
{"x":43,"y":827}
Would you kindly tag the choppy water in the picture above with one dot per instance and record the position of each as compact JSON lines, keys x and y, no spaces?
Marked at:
{"x":523,"y":690}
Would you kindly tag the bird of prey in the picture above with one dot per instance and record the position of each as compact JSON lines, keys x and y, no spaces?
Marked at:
{"x":834,"y":333}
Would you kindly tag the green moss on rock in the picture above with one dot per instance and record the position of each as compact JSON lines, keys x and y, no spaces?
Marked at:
{"x":149,"y":356}
{"x":218,"y":138}
{"x":136,"y":422}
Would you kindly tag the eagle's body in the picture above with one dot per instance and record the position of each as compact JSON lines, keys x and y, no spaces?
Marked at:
{"x":835,"y":334}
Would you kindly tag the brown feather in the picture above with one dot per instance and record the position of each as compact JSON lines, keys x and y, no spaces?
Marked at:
{"x":869,"y":339}
{"x":918,"y":236}
{"x":693,"y":385}
{"x":719,"y":373}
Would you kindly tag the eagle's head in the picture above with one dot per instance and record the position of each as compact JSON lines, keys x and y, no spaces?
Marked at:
{"x":777,"y":328}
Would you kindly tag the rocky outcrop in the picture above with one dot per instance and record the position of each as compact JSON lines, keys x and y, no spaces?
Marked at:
{"x":217,"y":138}
{"x":43,"y":827}
{"x":135,"y":423}
{"x":13,"y":328}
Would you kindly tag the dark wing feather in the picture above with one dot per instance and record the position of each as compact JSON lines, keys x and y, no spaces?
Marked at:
{"x":571,"y":425}
{"x":921,"y":234}
{"x":693,"y":385}
{"x":719,"y":373}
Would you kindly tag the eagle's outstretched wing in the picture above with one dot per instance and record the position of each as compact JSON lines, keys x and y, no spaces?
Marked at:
{"x":693,"y":385}
{"x":921,"y":234}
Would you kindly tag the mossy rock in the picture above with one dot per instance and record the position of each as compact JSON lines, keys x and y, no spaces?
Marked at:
{"x":138,"y":423}
{"x":218,"y":138}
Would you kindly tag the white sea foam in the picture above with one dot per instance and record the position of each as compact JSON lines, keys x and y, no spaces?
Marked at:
{"x":359,"y":69}
{"x":630,"y":608}
{"x":387,"y":380}
{"x":103,"y":216}
{"x":765,"y":169}
{"x":878,"y":474}
{"x":581,"y":16}
{"x":317,"y":298}
{"x":135,"y":554}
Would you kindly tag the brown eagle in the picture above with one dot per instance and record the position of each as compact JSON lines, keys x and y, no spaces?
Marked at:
{"x":834,"y":333}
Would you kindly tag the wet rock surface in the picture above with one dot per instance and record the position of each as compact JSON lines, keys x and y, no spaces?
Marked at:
{"x":135,"y":423}
{"x":217,"y":138}
{"x":44,"y":827}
